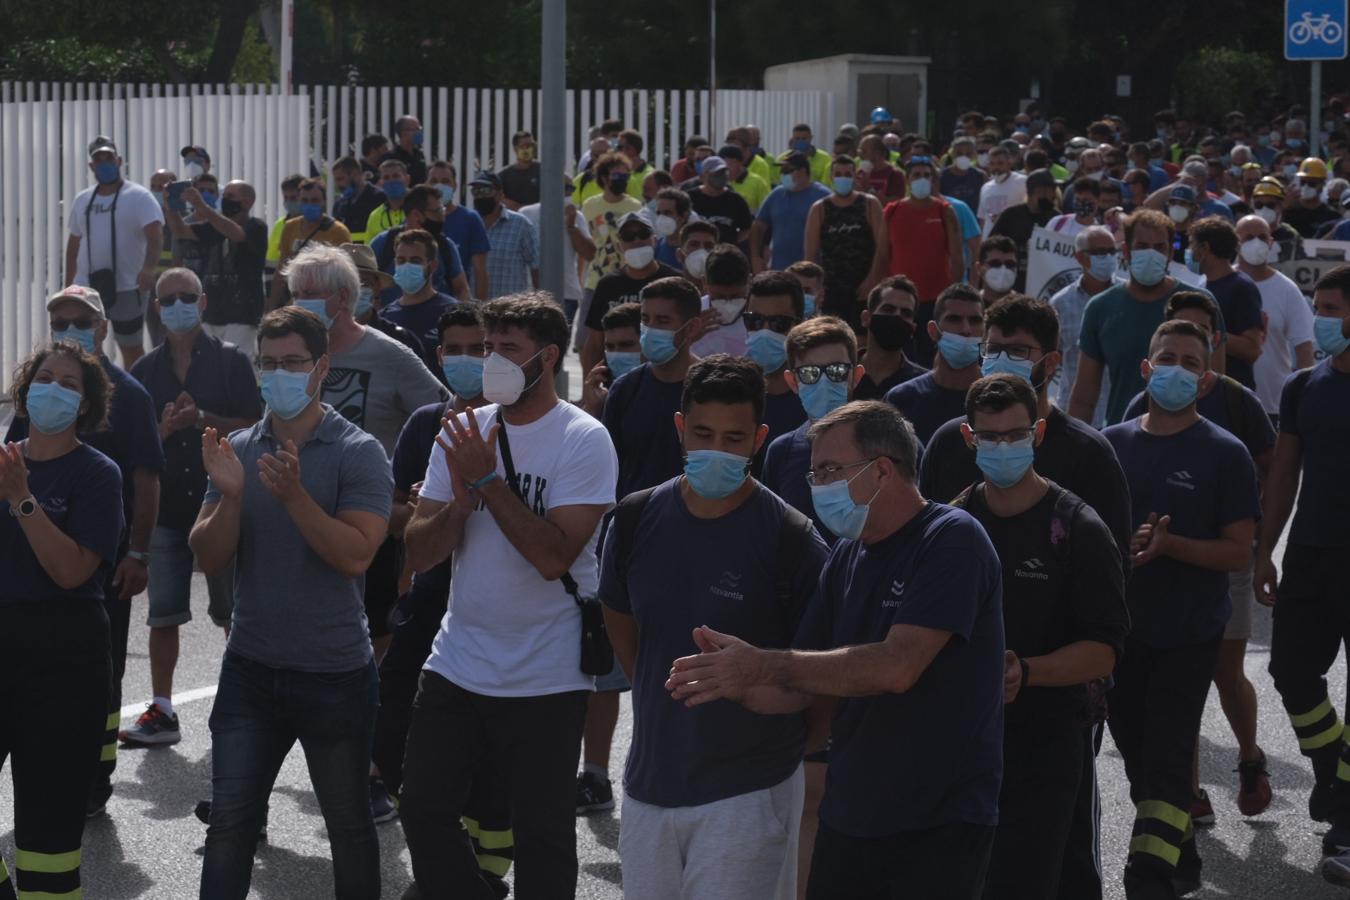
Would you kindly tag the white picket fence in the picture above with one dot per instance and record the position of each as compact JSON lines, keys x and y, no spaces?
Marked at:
{"x":254,"y":133}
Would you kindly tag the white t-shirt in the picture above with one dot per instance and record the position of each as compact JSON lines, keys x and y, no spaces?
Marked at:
{"x":1066,"y":224}
{"x":729,"y":339}
{"x":508,"y":632}
{"x":136,"y":208}
{"x":571,"y":278}
{"x":996,"y":196}
{"x":1289,"y":323}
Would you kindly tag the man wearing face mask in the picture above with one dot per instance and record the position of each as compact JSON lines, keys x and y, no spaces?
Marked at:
{"x":418,"y":305}
{"x":818,"y":160}
{"x":1004,"y":188}
{"x":1065,"y":621}
{"x":116,"y":231}
{"x":464,"y":228}
{"x":1095,"y":252}
{"x":426,"y":214}
{"x":737,"y":797}
{"x":924,"y":236}
{"x":698,"y":239}
{"x":1020,"y":220}
{"x":1118,"y":323}
{"x":408,"y":137}
{"x":1141,"y":158}
{"x":776,"y":305}
{"x":963,"y":178}
{"x":996,"y":270}
{"x":846,"y":234}
{"x":1309,"y":210}
{"x":520,"y":180}
{"x":640,"y":268}
{"x":305,"y":492}
{"x":198,"y":381}
{"x":672,"y":212}
{"x":1194,"y":506}
{"x":312,"y":228}
{"x":751,"y":188}
{"x":518,"y":501}
{"x":876,"y":175}
{"x":1213,"y":246}
{"x":394,"y":184}
{"x":1086,"y":195}
{"x":623,"y":353}
{"x":578,"y":248}
{"x":938,"y":396}
{"x":780,"y":225}
{"x":367,"y":311}
{"x":290,"y":201}
{"x":1268,"y":202}
{"x":890,"y":321}
{"x":356,"y":199}
{"x":1287,"y":318}
{"x":727,"y":279}
{"x":717,"y":203}
{"x":513,"y":260}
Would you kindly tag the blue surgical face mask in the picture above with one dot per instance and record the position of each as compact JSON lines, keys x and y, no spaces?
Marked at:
{"x":364,"y":301}
{"x":1148,"y":267}
{"x":837,"y":509}
{"x":802,"y":145}
{"x":809,"y":304}
{"x":464,"y":374}
{"x":921,"y":188}
{"x":959,"y":351}
{"x":107,"y":172}
{"x":1102,"y":268}
{"x":1002,"y":363}
{"x":447,"y":193}
{"x":410,"y":277}
{"x":787,"y":180}
{"x":1172,"y":387}
{"x":286,"y":393}
{"x":348,"y":192}
{"x":713,"y":474}
{"x":394,"y":190}
{"x":621,"y":362}
{"x":317,"y":306}
{"x":52,"y":408}
{"x":82,"y":336}
{"x":767,"y":348}
{"x":311,"y":211}
{"x":823,"y":397}
{"x":658,"y":345}
{"x":418,"y":138}
{"x":1327,"y":331}
{"x":1191,"y":264}
{"x":1004,"y":464}
{"x":842,"y":186}
{"x":180,"y":318}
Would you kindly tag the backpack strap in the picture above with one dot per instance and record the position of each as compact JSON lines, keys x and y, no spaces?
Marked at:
{"x":962,"y":500}
{"x":1235,"y":406}
{"x":794,"y":535}
{"x":623,"y":528}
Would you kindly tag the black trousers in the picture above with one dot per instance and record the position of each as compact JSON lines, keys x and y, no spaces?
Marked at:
{"x":1080,"y":874}
{"x":54,"y":673}
{"x":119,"y":626}
{"x":534,"y":743}
{"x":1042,"y":771}
{"x":1156,"y":707}
{"x":945,"y":863}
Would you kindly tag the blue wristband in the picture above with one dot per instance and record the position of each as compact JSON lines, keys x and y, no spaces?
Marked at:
{"x":484,"y":481}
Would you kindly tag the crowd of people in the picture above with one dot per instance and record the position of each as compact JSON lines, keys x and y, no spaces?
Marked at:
{"x":880,"y":544}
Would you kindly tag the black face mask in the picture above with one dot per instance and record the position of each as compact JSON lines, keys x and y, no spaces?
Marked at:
{"x":230,"y":208}
{"x":433,"y":227}
{"x":485,"y":206}
{"x":1045,"y":206}
{"x":890,"y":332}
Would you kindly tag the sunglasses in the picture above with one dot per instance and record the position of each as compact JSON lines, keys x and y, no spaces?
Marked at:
{"x":171,"y":299}
{"x":1000,"y":264}
{"x":85,"y":323}
{"x":837,"y":372}
{"x":780,"y":324}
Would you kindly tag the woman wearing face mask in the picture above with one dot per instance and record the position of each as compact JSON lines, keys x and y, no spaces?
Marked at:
{"x":60,"y":522}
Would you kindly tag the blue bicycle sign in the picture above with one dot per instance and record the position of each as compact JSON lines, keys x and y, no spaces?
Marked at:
{"x":1314,"y":29}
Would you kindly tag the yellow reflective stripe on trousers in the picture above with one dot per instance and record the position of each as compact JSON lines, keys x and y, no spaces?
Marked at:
{"x":494,"y":865}
{"x":1342,"y":770}
{"x":495,"y":840}
{"x":114,"y":721}
{"x":1155,"y":846}
{"x":4,"y":873}
{"x":77,"y":894}
{"x":51,"y":863}
{"x":109,"y":752}
{"x":1166,"y":813}
{"x":1330,"y":735}
{"x":1318,"y":713}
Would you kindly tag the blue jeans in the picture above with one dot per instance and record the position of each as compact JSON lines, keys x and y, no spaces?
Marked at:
{"x":259,"y":714}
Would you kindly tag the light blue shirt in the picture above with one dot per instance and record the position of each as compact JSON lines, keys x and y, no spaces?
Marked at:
{"x":514,"y":253}
{"x":1068,"y":305}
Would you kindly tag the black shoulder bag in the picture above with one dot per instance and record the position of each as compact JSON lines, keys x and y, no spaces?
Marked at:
{"x":597,"y":656}
{"x":104,"y":280}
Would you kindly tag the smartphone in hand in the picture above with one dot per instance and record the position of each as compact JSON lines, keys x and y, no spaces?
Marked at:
{"x":174,"y":194}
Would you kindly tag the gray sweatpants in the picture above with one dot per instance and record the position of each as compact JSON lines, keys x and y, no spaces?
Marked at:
{"x":743,"y":846}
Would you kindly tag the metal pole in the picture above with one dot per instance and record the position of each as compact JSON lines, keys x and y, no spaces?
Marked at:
{"x":1315,"y":111}
{"x":552,"y":131}
{"x":285,"y":78}
{"x":712,"y":72}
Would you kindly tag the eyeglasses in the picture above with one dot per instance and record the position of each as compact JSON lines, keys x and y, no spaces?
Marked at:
{"x":1105,"y":251}
{"x":170,"y":299}
{"x":483,"y":191}
{"x":289,"y":363}
{"x":1256,"y":205}
{"x":828,"y":473}
{"x":837,"y":372}
{"x":999,"y":263}
{"x":84,"y":323}
{"x":1019,"y":352}
{"x":780,"y":324}
{"x":1004,"y":437}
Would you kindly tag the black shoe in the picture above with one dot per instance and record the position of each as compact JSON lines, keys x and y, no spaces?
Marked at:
{"x":382,"y":806}
{"x":203,"y":813}
{"x":594,"y":794}
{"x":1186,"y":878}
{"x":499,"y":887}
{"x":1322,"y":802}
{"x":99,"y":795}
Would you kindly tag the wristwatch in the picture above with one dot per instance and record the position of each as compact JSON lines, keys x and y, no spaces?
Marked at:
{"x":24,"y":508}
{"x":138,"y":555}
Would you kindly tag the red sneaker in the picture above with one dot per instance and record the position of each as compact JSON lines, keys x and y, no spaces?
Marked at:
{"x":1253,"y":787}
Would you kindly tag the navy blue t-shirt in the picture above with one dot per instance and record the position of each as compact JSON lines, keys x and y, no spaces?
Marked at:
{"x":81,"y":492}
{"x":927,"y":404}
{"x":1251,"y":425}
{"x":416,"y":443}
{"x":640,"y":417}
{"x":1203,"y":478}
{"x":933,"y":755}
{"x":1313,"y":408}
{"x":786,"y":463}
{"x":421,"y":319}
{"x":784,"y":414}
{"x":1239,"y":300}
{"x":683,"y":572}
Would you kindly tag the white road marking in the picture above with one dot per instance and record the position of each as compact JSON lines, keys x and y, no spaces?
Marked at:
{"x":132,"y":710}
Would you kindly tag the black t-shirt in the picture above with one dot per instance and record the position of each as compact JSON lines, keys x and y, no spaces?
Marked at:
{"x":1239,"y":300}
{"x":416,"y":443}
{"x":521,"y":185}
{"x":868,"y":389}
{"x":728,"y":211}
{"x":415,"y":161}
{"x":618,"y":288}
{"x":355,"y":212}
{"x":1062,"y":582}
{"x":1305,"y":220}
{"x":1018,"y":222}
{"x":231,"y":273}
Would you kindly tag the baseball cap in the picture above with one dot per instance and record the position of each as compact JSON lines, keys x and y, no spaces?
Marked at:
{"x":192,"y":150}
{"x":1040,"y":178}
{"x":713,"y":164}
{"x":794,"y":159}
{"x":1183,"y":192}
{"x":102,"y":144}
{"x":485,"y":179}
{"x":634,"y":219}
{"x":80,"y":294}
{"x":364,"y":257}
{"x":730,"y":151}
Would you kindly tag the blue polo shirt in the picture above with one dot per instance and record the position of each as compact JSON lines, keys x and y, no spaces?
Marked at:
{"x":1313,"y":410}
{"x":785,"y":212}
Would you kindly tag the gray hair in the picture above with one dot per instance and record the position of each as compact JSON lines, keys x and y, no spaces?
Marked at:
{"x":1240,"y":150}
{"x":324,"y":271}
{"x":179,"y":272}
{"x":878,"y":430}
{"x":1295,"y":125}
{"x":1084,"y":237}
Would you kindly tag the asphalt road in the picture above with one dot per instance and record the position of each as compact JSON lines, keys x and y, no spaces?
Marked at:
{"x":149,"y":843}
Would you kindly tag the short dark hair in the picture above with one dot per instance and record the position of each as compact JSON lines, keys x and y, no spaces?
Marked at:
{"x":721,"y":378}
{"x":878,"y":430}
{"x":659,"y":177}
{"x":802,"y":126}
{"x":775,"y":284}
{"x":819,"y":332}
{"x":894,"y":283}
{"x":1000,"y":242}
{"x":1216,"y":234}
{"x":806,"y":269}
{"x":631,"y":138}
{"x":520,"y":136}
{"x":995,"y":393}
{"x":461,"y":315}
{"x":347,"y":164}
{"x":696,"y":226}
{"x":292,"y":182}
{"x":676,"y":196}
{"x":417,"y":236}
{"x":611,"y":126}
{"x":625,"y":315}
{"x":957,"y":291}
{"x":1338,"y":279}
{"x":313,"y":184}
{"x":98,"y":388}
{"x":679,"y":289}
{"x":1085,"y":185}
{"x":1193,"y":300}
{"x":727,"y":265}
{"x":1183,"y":327}
{"x":843,"y":160}
{"x":372,"y":142}
{"x":534,"y":312}
{"x":1027,"y":313}
{"x":1148,"y":218}
{"x":294,"y":320}
{"x":421,"y":197}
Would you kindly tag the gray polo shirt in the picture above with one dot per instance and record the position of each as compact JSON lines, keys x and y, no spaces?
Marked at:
{"x":291,"y":609}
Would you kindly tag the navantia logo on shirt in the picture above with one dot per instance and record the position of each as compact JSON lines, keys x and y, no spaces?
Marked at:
{"x":1031,"y":568}
{"x":1181,"y":479}
{"x":728,"y":587}
{"x":897,"y":590}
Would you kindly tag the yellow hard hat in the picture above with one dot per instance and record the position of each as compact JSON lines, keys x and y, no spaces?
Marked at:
{"x":1268,"y":187}
{"x":1312,"y":167}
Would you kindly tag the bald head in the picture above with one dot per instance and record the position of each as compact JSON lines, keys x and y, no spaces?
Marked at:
{"x":162,"y":179}
{"x":1249,"y":227}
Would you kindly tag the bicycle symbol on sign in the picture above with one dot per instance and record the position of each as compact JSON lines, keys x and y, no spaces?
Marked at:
{"x":1315,"y":27}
